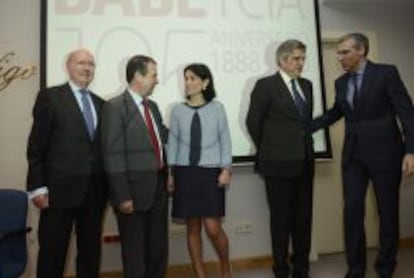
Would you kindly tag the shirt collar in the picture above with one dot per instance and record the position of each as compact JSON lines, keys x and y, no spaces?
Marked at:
{"x":361,"y":69}
{"x":135,"y":96}
{"x":74,"y":87}
{"x":286,"y":78}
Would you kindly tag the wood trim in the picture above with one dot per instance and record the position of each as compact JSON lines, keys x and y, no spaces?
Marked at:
{"x":111,"y":238}
{"x":212,"y":267}
{"x":407,"y":242}
{"x":112,"y":274}
{"x":176,"y":271}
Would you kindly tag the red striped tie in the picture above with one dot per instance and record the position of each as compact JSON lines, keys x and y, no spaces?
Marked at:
{"x":151,"y":132}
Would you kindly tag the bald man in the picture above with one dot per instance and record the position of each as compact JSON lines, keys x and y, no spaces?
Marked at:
{"x":65,"y":178}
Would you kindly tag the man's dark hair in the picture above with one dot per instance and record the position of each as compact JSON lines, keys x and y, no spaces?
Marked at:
{"x":138,"y":63}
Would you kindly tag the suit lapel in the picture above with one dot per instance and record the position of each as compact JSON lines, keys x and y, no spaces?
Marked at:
{"x":97,"y":104}
{"x":342,"y":91}
{"x":285,"y":96}
{"x":157,"y":120}
{"x":367,"y":78}
{"x":342,"y":88}
{"x":134,"y":116}
{"x":307,"y":92}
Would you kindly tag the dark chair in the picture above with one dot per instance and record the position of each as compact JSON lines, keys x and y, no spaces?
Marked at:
{"x":13,"y":229}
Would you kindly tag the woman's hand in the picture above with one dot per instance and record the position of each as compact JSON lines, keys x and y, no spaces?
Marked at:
{"x":224,"y":177}
{"x":170,"y":183}
{"x":408,"y":164}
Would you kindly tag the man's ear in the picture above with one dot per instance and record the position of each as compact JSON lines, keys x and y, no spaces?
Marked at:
{"x":138,"y":76}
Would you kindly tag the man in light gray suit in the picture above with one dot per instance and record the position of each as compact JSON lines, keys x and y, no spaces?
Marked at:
{"x":132,"y":140}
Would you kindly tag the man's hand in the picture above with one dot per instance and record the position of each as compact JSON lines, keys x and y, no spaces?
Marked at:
{"x":126,"y":207}
{"x":41,"y":201}
{"x":408,"y":164}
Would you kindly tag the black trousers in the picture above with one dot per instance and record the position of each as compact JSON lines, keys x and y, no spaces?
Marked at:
{"x":144,"y":238}
{"x":356,"y":176}
{"x":290,"y":204}
{"x":55,"y":227}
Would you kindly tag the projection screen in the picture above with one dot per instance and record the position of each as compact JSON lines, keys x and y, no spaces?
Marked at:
{"x":237,"y":39}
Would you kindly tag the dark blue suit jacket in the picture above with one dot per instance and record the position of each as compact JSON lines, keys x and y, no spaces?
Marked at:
{"x":60,"y":153}
{"x":282,"y":137}
{"x":371,"y":128}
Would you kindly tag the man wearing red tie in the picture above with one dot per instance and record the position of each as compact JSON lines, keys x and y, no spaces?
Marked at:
{"x":132,"y":140}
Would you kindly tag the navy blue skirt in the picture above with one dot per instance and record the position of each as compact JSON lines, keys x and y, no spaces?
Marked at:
{"x":197,"y":193}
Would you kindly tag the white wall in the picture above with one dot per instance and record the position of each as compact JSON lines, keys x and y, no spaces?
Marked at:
{"x":20,"y":32}
{"x":392,"y":24}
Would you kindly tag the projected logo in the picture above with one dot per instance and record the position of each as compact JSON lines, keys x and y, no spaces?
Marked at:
{"x":232,"y":37}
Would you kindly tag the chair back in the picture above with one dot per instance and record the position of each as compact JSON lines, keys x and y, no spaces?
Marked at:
{"x":13,"y":229}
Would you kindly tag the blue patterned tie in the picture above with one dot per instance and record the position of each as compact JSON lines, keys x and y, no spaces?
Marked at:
{"x":299,"y":101}
{"x":87,"y":113}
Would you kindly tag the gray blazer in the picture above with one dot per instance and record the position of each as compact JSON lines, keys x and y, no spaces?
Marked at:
{"x":129,"y":157}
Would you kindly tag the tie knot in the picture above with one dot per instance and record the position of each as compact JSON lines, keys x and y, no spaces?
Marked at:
{"x":83,"y":91}
{"x":293,"y":84}
{"x":145,"y":102}
{"x":354,"y":75}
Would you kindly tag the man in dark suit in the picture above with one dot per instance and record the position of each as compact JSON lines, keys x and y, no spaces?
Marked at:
{"x":280,"y":111}
{"x":65,"y":177}
{"x":370,"y":96}
{"x":133,"y":136}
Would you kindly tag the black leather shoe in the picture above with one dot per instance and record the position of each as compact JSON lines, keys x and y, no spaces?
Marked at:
{"x":300,"y":275}
{"x":354,"y":275}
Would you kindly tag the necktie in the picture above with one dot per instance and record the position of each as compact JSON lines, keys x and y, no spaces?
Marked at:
{"x":195,"y":145}
{"x":151,"y":132}
{"x":87,"y":113}
{"x":354,"y":80}
{"x":299,"y":101}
